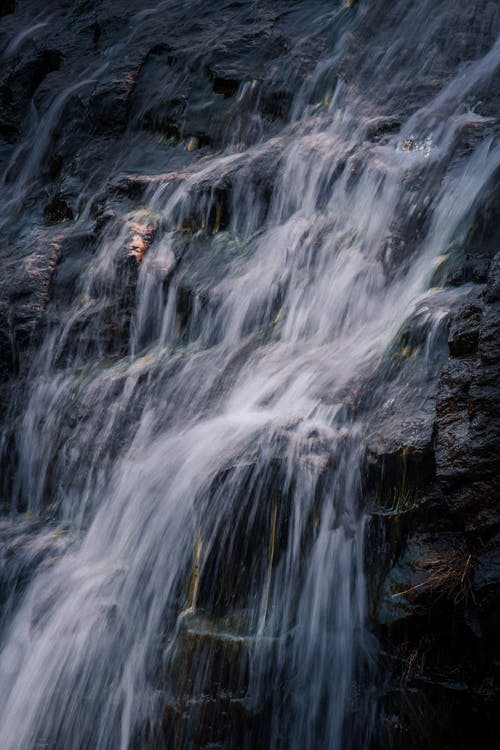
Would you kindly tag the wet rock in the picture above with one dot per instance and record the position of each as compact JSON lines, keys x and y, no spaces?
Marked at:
{"x":464,"y":332}
{"x":438,"y":599}
{"x":444,"y":48}
{"x":431,"y":470}
{"x":486,"y":584}
{"x":57,"y":210}
{"x":141,"y":228}
{"x":451,"y":448}
{"x":136,"y":184}
{"x":7,"y":7}
{"x":400,"y":472}
{"x":233,"y":575}
{"x":212,"y":661}
{"x":208,"y":724}
{"x":482,"y":240}
{"x":381,"y":127}
{"x":8,"y":124}
{"x":429,"y":615}
{"x":108,"y":106}
{"x":26,"y":285}
{"x":469,"y":259}
{"x":19,"y":86}
{"x":158,"y":100}
{"x":467,"y":409}
{"x":209,"y":681}
{"x":184,"y":308}
{"x":433,"y":569}
{"x":493,"y":286}
{"x":75,"y":254}
{"x":225,"y":86}
{"x":277,"y":104}
{"x":438,"y":714}
{"x":22,"y":551}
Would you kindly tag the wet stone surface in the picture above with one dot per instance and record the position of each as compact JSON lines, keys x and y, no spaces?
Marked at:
{"x":249,"y":339}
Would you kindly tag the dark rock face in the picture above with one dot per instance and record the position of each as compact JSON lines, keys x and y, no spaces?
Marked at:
{"x":27,"y":283}
{"x":438,"y":604}
{"x":180,"y":92}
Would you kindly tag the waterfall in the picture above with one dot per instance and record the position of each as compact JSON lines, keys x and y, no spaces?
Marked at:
{"x":189,"y":500}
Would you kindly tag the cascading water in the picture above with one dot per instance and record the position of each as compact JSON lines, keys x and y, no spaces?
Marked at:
{"x":201,"y":426}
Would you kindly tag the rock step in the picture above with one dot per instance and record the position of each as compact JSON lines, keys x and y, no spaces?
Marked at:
{"x":210,"y":663}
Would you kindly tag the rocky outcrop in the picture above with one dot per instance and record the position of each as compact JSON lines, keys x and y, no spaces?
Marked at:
{"x":437,"y":604}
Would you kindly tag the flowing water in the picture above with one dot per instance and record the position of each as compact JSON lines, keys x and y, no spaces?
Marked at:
{"x":207,"y":517}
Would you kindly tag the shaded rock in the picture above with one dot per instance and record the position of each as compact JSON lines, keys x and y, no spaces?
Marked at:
{"x":431,"y":471}
{"x":20,"y":85}
{"x":233,"y":574}
{"x":225,"y":86}
{"x":7,"y":6}
{"x":26,"y":285}
{"x":464,"y":332}
{"x":57,"y":210}
{"x":159,"y":97}
{"x":493,"y":286}
{"x":439,"y":714}
{"x":486,"y":584}
{"x":453,"y":438}
{"x":468,"y":259}
{"x":22,"y":551}
{"x":432,"y":568}
{"x":108,"y":106}
{"x":209,"y":724}
{"x":438,"y":601}
{"x":212,"y":660}
{"x":399,"y":472}
{"x":76,"y":251}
